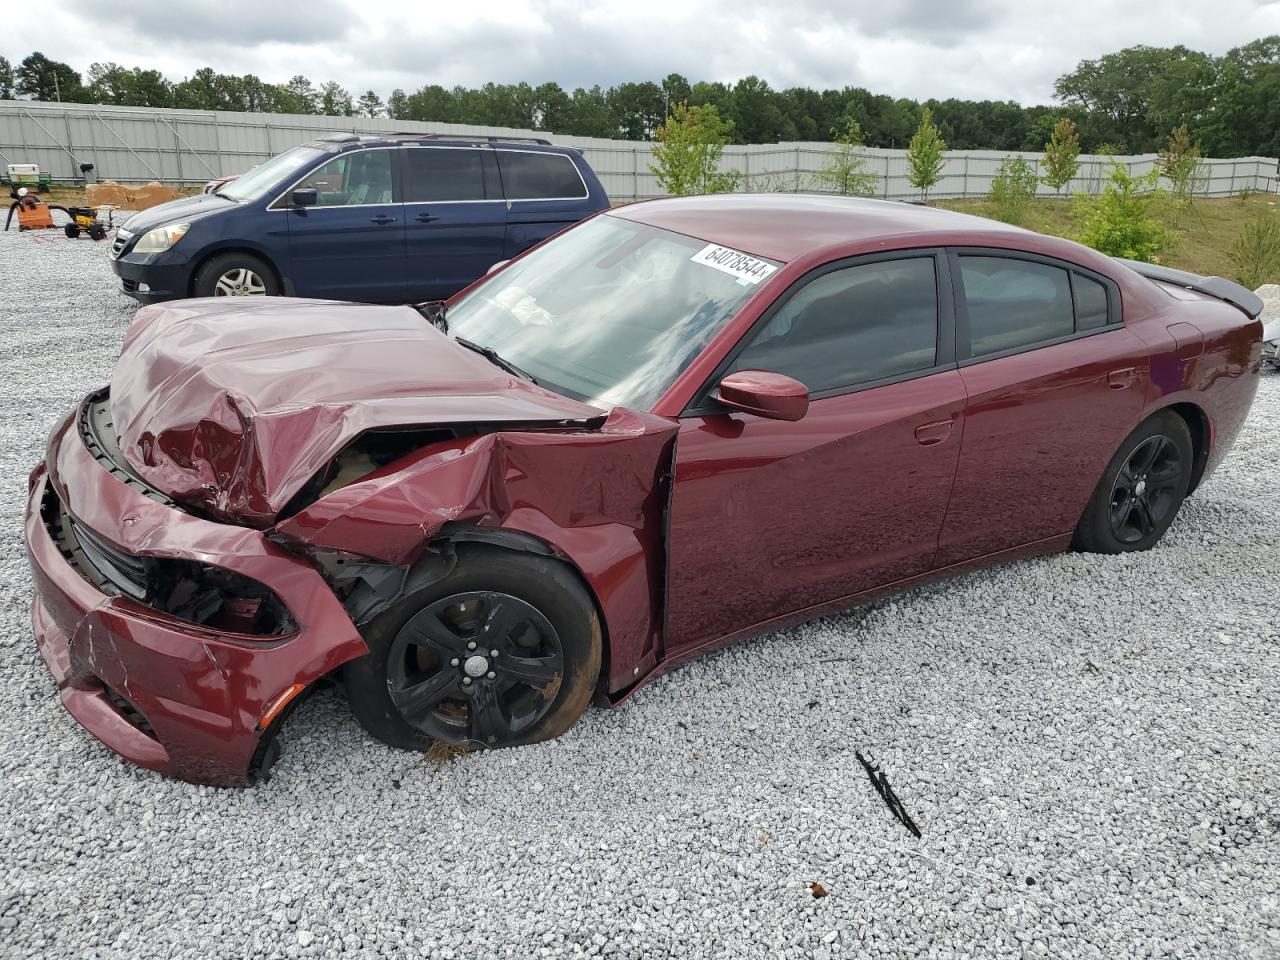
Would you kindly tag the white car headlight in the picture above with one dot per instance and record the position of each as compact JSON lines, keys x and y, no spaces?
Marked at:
{"x":161,"y":238}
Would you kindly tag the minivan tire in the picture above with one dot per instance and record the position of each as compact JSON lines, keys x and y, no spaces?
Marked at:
{"x":228,"y":272}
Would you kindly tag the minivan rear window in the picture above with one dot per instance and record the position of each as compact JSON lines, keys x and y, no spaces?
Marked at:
{"x":443,"y":173}
{"x":539,"y":176}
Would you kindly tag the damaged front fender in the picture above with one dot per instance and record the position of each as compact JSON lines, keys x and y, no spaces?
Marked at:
{"x":597,"y":498}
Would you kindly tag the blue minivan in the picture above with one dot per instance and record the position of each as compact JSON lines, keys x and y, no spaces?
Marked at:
{"x":386,"y":218}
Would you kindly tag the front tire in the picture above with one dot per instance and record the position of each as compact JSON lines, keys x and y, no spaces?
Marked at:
{"x":235,"y":275}
{"x":1141,"y":490}
{"x":503,"y":651}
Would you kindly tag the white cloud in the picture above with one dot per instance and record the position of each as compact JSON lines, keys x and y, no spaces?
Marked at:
{"x":996,"y":49}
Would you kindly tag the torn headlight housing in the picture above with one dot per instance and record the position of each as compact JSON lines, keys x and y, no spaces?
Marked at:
{"x":216,"y":598}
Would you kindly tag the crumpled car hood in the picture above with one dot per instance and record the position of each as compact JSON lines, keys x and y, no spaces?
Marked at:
{"x":230,"y":406}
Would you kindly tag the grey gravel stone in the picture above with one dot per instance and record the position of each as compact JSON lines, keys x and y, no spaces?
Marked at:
{"x":1076,"y":719}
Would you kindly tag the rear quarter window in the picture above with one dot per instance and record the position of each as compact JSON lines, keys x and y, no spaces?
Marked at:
{"x":539,"y":176}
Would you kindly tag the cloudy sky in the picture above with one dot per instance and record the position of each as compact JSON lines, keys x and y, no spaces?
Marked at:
{"x":998,"y":49}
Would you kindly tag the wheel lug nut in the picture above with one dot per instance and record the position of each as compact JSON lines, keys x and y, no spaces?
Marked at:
{"x":453,"y":662}
{"x":493,"y":653}
{"x":490,"y":674}
{"x":466,"y":681}
{"x":471,"y":645}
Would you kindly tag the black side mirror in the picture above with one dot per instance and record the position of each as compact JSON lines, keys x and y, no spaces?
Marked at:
{"x":305,"y":197}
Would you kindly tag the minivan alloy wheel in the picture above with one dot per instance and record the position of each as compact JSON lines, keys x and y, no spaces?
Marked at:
{"x":240,"y":282}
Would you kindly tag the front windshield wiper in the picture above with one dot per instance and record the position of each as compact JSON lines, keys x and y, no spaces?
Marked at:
{"x":492,"y":356}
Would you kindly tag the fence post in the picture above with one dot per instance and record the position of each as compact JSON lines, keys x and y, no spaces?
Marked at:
{"x":964,"y":183}
{"x":75,"y":167}
{"x":797,"y":187}
{"x":885,"y":179}
{"x":635,"y":173}
{"x":1234,"y":166}
{"x":746,"y":170}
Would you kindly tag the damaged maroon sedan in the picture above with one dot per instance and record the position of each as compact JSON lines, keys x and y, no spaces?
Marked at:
{"x":677,"y":424}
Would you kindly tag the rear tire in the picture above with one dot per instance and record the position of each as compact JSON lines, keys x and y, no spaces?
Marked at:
{"x":431,"y":675}
{"x":235,"y":275}
{"x":1141,"y":490}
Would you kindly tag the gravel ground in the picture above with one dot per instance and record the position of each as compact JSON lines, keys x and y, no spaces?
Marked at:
{"x":1088,"y":744}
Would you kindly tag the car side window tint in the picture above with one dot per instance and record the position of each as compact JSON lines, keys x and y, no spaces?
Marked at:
{"x":362,"y":177}
{"x":1091,"y":302}
{"x":443,"y":173}
{"x":853,"y":325}
{"x":539,"y":176}
{"x":1014,"y":303}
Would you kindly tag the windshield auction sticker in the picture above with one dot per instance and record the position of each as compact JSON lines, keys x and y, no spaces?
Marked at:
{"x":746,"y":268}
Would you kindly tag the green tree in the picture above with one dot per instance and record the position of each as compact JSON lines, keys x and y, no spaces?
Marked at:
{"x":638,"y":108}
{"x":1179,"y":163}
{"x":398,"y":105}
{"x":1060,"y":153}
{"x":1013,"y":189}
{"x":845,"y":171}
{"x":6,"y":79}
{"x":299,"y":96}
{"x":687,"y":154}
{"x":590,"y":114}
{"x":924,"y":155}
{"x":675,"y":89}
{"x":335,"y":100}
{"x":370,"y":105}
{"x":1121,"y":221}
{"x":552,"y":108}
{"x":40,"y":78}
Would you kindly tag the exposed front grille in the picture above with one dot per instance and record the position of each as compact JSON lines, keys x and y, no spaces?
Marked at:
{"x":107,"y":567}
{"x":119,"y":243}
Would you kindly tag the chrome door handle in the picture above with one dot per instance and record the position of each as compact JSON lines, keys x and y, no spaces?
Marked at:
{"x":425,"y":218}
{"x":382,"y":219}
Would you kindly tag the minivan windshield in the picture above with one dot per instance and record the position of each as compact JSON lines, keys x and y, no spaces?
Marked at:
{"x":252,"y":185}
{"x":610,"y":312}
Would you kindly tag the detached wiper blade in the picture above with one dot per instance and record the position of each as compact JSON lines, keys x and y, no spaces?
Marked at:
{"x":492,"y":356}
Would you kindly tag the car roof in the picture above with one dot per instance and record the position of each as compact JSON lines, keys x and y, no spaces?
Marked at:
{"x":339,"y":142}
{"x":787,"y":226}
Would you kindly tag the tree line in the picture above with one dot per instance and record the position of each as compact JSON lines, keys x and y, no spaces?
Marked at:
{"x":1122,"y":102}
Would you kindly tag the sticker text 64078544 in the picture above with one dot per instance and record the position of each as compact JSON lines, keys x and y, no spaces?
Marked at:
{"x":746,"y":268}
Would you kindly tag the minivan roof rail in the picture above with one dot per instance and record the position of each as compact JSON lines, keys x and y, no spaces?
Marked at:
{"x":471,"y":138}
{"x":338,"y":138}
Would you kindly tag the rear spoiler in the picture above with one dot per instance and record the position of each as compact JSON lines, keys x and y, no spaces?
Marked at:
{"x":1216,"y":287}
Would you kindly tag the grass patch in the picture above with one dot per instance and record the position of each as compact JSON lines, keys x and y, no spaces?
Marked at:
{"x":1206,"y":231}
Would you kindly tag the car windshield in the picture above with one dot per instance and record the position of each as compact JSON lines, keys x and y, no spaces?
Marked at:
{"x":252,"y":185}
{"x":611,"y":312}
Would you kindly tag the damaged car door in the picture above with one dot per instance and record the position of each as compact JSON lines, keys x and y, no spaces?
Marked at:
{"x":769,"y":517}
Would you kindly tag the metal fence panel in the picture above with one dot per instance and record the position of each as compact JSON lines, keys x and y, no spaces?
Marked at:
{"x":132,"y":144}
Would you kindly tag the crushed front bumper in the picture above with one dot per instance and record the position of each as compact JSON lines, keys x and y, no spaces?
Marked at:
{"x":167,"y":694}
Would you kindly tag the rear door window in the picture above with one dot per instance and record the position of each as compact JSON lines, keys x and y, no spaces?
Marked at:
{"x":539,"y":176}
{"x":353,"y":179}
{"x":443,"y":174}
{"x":1014,"y":303}
{"x":853,"y":325}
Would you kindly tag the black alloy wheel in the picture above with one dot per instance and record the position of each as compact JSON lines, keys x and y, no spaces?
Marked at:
{"x":478,"y":667}
{"x":1141,"y":490}
{"x":1147,"y":490}
{"x":503,"y":650}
